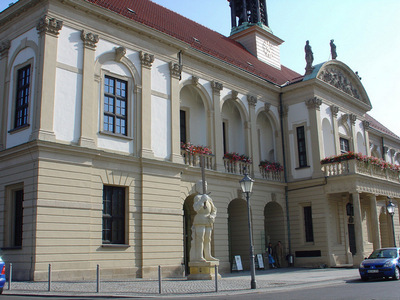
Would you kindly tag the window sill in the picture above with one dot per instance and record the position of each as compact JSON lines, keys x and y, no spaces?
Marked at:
{"x":115,"y":246}
{"x":20,"y":128}
{"x":120,"y":136}
{"x":11,"y":248}
{"x":305,"y":167}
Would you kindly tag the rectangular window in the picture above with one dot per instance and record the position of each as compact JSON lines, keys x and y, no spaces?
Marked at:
{"x":308,"y":225}
{"x":301,"y":147}
{"x":183,"y":126}
{"x":113,"y":215}
{"x":115,"y":105}
{"x":224,"y":139}
{"x":344,"y":145}
{"x":22,"y":97}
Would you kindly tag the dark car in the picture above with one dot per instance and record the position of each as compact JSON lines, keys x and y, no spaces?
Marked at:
{"x":2,"y":275}
{"x":382,"y":263}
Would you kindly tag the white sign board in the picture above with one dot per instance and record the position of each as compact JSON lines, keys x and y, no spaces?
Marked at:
{"x":238,"y":261}
{"x":260,"y":261}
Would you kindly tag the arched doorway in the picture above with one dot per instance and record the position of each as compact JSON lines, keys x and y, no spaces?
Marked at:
{"x":274,"y":224}
{"x":188,"y":215}
{"x":238,"y":232}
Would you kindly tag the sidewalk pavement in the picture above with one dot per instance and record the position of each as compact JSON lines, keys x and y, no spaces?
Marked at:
{"x":234,"y":283}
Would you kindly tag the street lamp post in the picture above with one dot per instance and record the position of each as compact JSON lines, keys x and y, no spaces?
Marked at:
{"x":247,"y":186}
{"x":390,"y":208}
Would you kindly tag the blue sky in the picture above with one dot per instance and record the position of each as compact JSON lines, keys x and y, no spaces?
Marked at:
{"x":365,"y":33}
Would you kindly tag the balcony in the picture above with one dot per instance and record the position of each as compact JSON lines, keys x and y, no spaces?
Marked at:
{"x":193,"y":159}
{"x":237,"y":167}
{"x":356,"y":166}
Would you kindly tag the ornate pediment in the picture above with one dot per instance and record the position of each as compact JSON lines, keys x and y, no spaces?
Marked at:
{"x":337,"y":78}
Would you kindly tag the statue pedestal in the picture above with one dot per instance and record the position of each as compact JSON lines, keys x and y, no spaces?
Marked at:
{"x":203,"y":270}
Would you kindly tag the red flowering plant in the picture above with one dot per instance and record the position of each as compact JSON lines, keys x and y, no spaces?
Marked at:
{"x":193,"y":149}
{"x":271,"y":166}
{"x":372,"y":160}
{"x":235,"y":157}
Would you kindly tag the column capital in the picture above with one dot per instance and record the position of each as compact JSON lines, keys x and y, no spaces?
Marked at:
{"x":365,"y":125}
{"x":89,"y":39}
{"x":146,"y":59}
{"x":175,"y":69}
{"x":314,"y":103}
{"x":251,"y":100}
{"x":217,"y":87}
{"x":285,"y":110}
{"x":49,"y":25}
{"x":334,"y":110}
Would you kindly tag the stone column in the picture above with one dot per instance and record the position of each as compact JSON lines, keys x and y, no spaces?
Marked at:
{"x":353,"y":145}
{"x":334,"y":111}
{"x":88,"y":113}
{"x":147,"y":61}
{"x":376,"y":236}
{"x":175,"y":71}
{"x":43,"y":111}
{"x":285,"y":131}
{"x":218,"y":136}
{"x":4,"y":96}
{"x":317,"y":143}
{"x":358,"y":228}
{"x":254,"y":153}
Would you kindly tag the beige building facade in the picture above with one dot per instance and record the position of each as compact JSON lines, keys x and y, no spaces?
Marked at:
{"x":101,"y":104}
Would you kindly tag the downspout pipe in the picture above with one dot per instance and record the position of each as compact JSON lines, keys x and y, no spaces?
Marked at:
{"x":285,"y":174}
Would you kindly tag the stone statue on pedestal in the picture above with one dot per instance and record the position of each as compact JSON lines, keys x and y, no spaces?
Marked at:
{"x":309,"y":58}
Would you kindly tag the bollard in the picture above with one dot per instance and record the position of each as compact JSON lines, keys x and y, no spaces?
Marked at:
{"x":98,"y":279}
{"x":49,"y":277}
{"x":216,"y":278}
{"x":10,"y":278}
{"x":159,"y":280}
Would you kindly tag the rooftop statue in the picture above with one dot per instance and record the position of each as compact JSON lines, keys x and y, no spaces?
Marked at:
{"x":333,"y":49}
{"x":309,"y":58}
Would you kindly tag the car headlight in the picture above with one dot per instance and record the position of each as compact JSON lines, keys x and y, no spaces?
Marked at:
{"x":388,"y":264}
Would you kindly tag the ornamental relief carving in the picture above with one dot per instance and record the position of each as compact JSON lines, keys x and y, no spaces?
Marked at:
{"x":49,"y":25}
{"x":146,"y":59}
{"x":89,"y":39}
{"x":337,"y":79}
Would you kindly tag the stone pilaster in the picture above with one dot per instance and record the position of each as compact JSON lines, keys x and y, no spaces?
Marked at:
{"x":42,"y":126}
{"x":218,"y":137}
{"x":88,"y":111}
{"x":353,"y":145}
{"x":334,"y":111}
{"x":175,"y":71}
{"x":317,"y":142}
{"x":254,"y":153}
{"x":366,"y":137}
{"x":146,"y":61}
{"x":358,"y":229}
{"x":4,"y":47}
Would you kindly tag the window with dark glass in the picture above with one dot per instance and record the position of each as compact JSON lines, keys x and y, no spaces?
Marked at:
{"x":344,"y":145}
{"x":224,"y":137}
{"x":183,"y":126}
{"x":308,"y":224}
{"x":113,"y":215}
{"x":22,"y":96}
{"x":115,"y":105}
{"x":301,"y":147}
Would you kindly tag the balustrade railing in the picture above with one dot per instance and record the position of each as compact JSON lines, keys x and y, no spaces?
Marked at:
{"x":237,"y":167}
{"x":193,"y":159}
{"x":271,"y":175}
{"x":354,"y":166}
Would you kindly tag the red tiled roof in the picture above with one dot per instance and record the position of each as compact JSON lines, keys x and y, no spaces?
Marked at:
{"x":197,"y":36}
{"x":378,"y":126}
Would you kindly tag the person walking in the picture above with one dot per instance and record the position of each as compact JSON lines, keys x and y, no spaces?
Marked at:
{"x":278,"y":254}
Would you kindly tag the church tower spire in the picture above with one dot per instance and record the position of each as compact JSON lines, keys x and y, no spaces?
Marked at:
{"x":250,"y":28}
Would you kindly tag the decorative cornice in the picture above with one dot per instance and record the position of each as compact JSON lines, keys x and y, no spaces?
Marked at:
{"x":119,"y":53}
{"x":334,"y":110}
{"x":49,"y":25}
{"x":89,"y":39}
{"x":175,"y":69}
{"x":146,"y":59}
{"x":267,"y":107}
{"x":366,"y":125}
{"x":336,"y":78}
{"x":195,"y":80}
{"x":353,"y":119}
{"x":217,"y":87}
{"x":314,"y":103}
{"x":252,"y":100}
{"x":4,"y":47}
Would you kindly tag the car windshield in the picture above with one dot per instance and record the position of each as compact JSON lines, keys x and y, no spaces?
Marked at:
{"x":383,"y":253}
